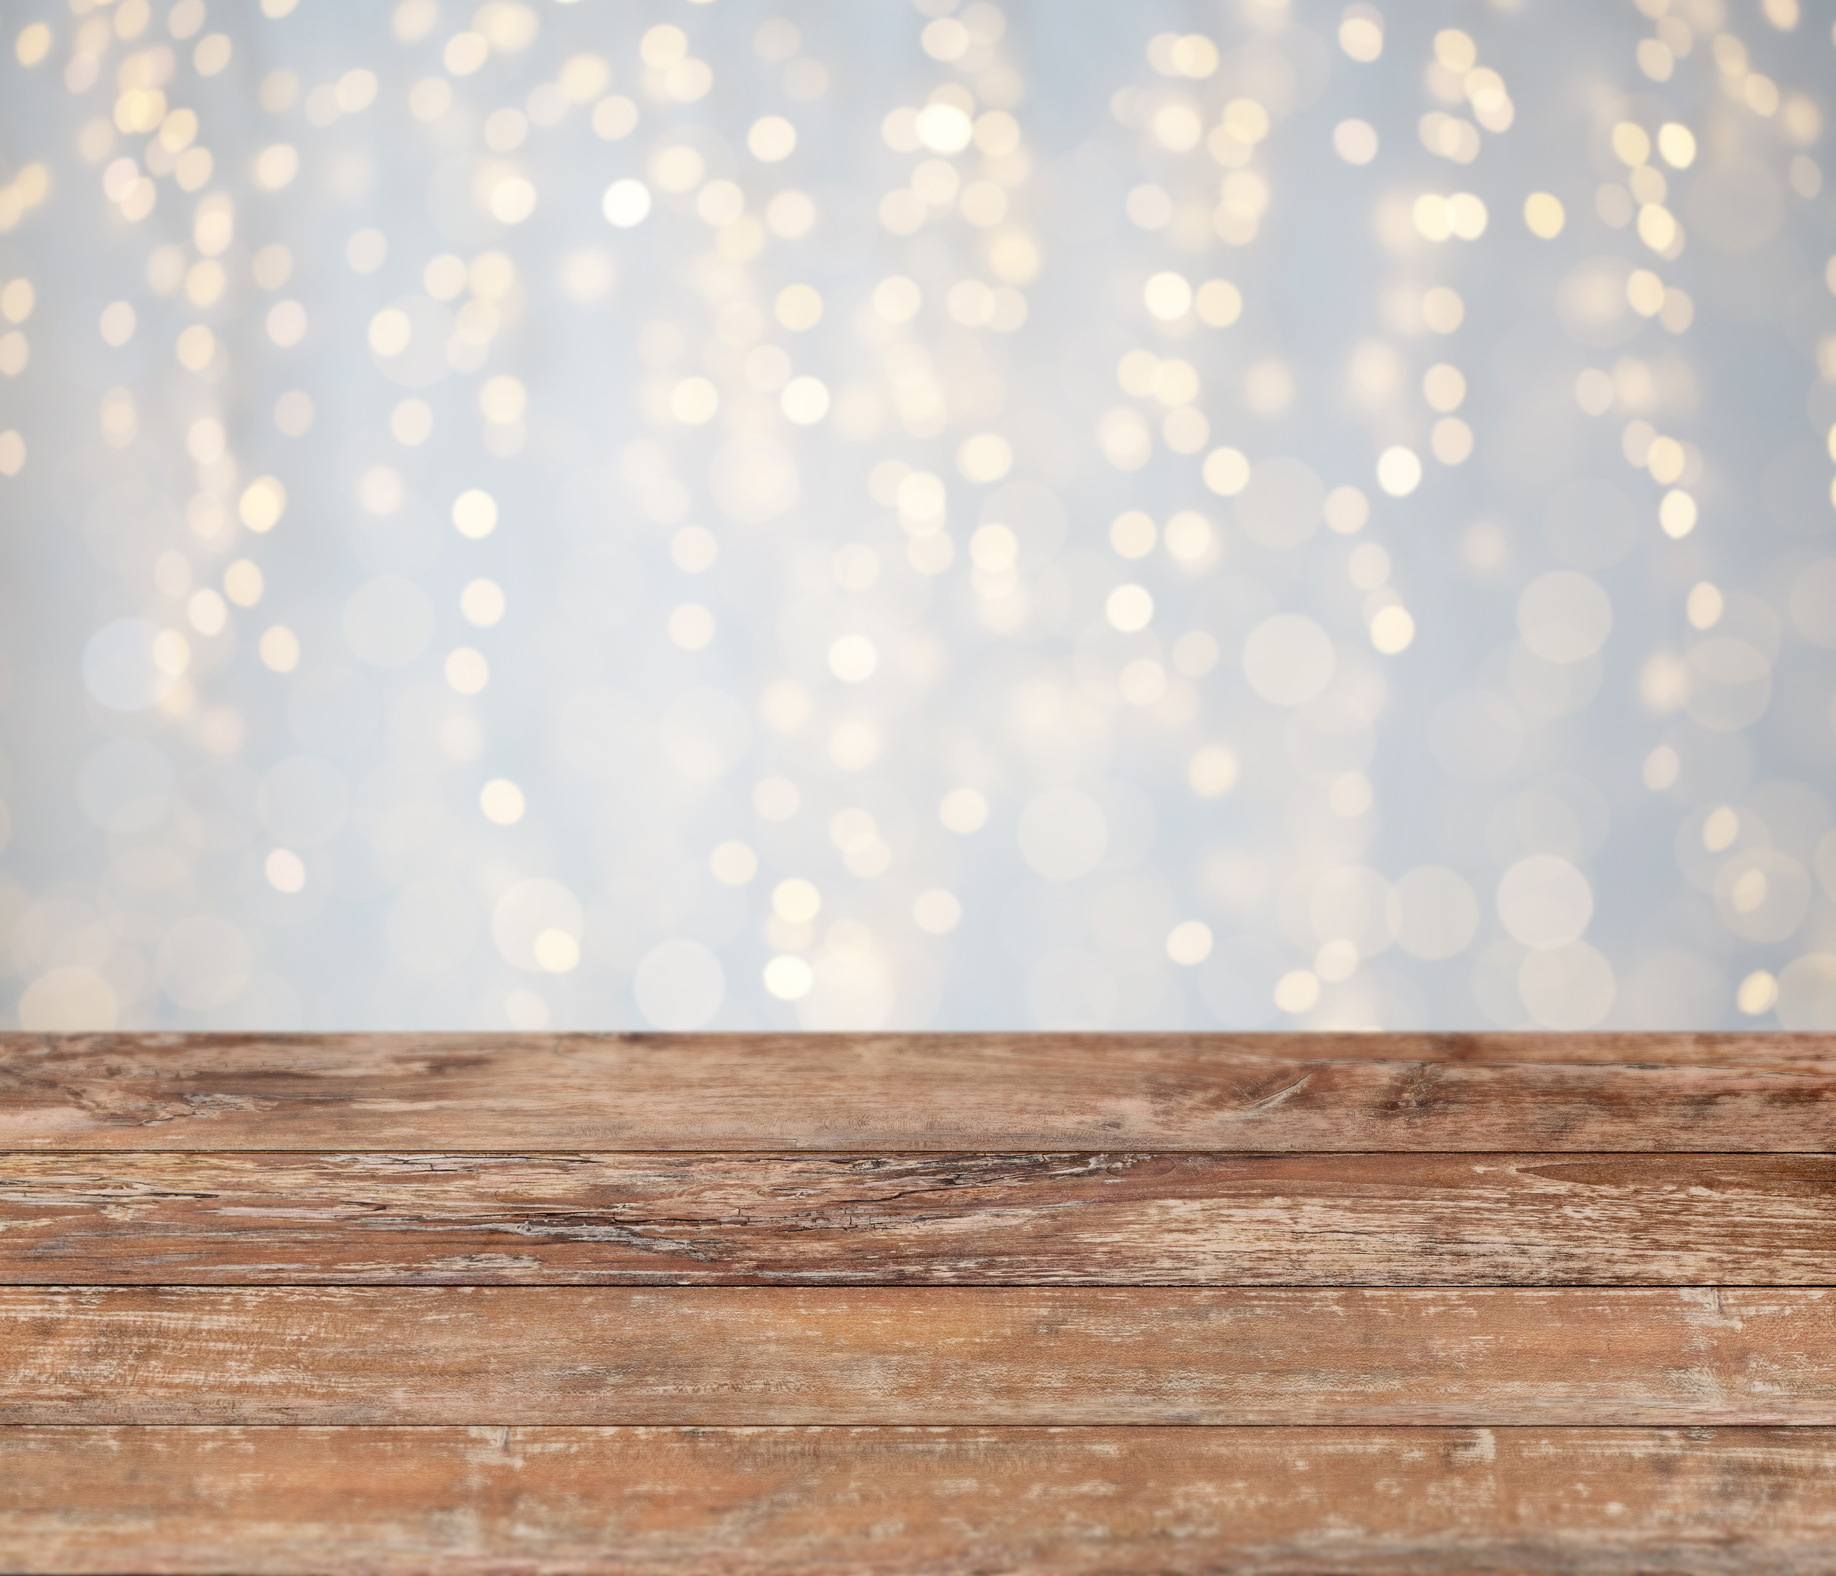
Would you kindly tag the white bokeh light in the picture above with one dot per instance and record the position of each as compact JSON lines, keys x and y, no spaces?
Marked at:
{"x":982,"y":519}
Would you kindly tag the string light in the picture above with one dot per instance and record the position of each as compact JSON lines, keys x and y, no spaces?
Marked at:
{"x":683,"y":527}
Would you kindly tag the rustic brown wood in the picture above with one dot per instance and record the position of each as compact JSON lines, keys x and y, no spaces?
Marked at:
{"x":931,"y":1092}
{"x":1183,"y":1219}
{"x":729,"y":1356}
{"x":1040,"y":1249}
{"x":895,"y":1502}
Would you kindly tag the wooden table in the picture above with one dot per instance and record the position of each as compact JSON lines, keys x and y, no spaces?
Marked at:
{"x":569,"y":1304}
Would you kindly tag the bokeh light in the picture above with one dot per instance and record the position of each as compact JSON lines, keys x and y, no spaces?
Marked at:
{"x":545,"y":515}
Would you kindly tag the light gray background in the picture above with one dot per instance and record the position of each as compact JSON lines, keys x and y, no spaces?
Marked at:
{"x":1636,"y":836}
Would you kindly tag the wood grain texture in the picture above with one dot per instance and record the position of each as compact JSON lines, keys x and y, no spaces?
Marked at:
{"x":920,"y":1092}
{"x":1182,"y":1219}
{"x":895,"y":1502}
{"x":1043,"y":1249}
{"x":730,"y":1356}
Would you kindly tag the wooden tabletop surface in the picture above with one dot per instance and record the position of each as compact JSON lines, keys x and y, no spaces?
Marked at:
{"x":558,"y":1305}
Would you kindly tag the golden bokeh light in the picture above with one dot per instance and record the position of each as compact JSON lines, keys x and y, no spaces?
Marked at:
{"x":1090,"y":527}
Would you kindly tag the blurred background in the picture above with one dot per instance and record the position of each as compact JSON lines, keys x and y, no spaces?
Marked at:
{"x":770,"y":513}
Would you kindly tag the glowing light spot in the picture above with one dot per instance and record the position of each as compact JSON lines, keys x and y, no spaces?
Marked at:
{"x":626,"y":203}
{"x":985,"y":458}
{"x":1355,"y":141}
{"x":799,"y":307}
{"x":32,"y":44}
{"x":1392,"y":630}
{"x":943,"y":128}
{"x":1346,"y":510}
{"x":1758,"y":994}
{"x":1168,"y":296}
{"x":501,"y":802}
{"x":694,"y":401}
{"x":937,"y":912}
{"x":1189,"y":943}
{"x":691,"y":627}
{"x":390,"y":331}
{"x":475,"y":513}
{"x":1719,"y":829}
{"x":1544,"y":215}
{"x":788,"y":978}
{"x":963,"y":811}
{"x":1677,"y":514}
{"x":280,"y":648}
{"x":262,"y":504}
{"x":1133,"y":534}
{"x":1631,"y":143}
{"x":771,"y":139}
{"x":467,"y":671}
{"x":733,"y":863}
{"x":1129,"y":608}
{"x":805,"y":401}
{"x":1226,"y":472}
{"x":1399,"y":471}
{"x":897,"y":299}
{"x":1361,"y":33}
{"x":796,"y":901}
{"x":285,"y":870}
{"x":1677,"y":144}
{"x":853,"y":659}
{"x":276,"y":166}
{"x":1297,"y":991}
{"x":1219,"y":303}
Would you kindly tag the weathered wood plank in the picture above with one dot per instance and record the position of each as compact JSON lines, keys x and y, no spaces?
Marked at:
{"x":819,"y":1502}
{"x":728,"y":1356}
{"x":1352,"y":1092}
{"x":1182,"y":1219}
